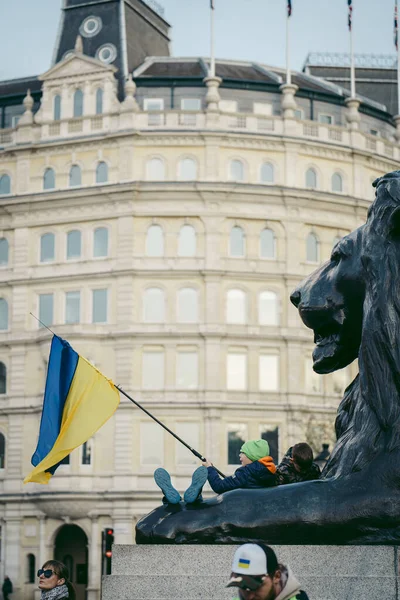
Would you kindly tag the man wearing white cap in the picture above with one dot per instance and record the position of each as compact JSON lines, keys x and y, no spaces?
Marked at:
{"x":259,"y":576}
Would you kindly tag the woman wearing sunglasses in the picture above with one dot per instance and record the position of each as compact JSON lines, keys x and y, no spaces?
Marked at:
{"x":53,"y":581}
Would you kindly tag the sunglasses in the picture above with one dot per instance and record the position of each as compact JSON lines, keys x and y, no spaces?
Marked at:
{"x":46,"y":572}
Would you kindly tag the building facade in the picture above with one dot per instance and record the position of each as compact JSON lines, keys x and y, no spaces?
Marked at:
{"x":159,"y":224}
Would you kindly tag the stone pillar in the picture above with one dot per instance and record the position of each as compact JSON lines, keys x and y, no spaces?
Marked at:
{"x":212,"y":99}
{"x":397,"y":132}
{"x":288,"y":103}
{"x":129,"y":104}
{"x":42,"y":540}
{"x":353,"y":116}
{"x":27,"y":117}
{"x":93,"y":588}
{"x":11,"y":549}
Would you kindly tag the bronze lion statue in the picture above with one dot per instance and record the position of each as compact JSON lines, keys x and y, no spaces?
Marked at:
{"x":352,"y":303}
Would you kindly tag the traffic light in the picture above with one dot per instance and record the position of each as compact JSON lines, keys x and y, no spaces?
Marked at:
{"x":107,"y":542}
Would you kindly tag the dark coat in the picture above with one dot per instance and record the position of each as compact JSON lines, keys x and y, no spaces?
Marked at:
{"x":286,"y":472}
{"x":258,"y":474}
{"x":7,"y":587}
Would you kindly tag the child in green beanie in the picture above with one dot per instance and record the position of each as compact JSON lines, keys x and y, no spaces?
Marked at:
{"x":257,"y":471}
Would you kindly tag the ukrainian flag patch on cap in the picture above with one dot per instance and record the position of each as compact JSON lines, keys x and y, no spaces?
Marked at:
{"x":244,"y":563}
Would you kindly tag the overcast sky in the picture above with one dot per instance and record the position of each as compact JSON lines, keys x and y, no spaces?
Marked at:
{"x":245,"y":30}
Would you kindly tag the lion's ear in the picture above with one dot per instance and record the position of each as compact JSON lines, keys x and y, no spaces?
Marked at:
{"x":394,"y":224}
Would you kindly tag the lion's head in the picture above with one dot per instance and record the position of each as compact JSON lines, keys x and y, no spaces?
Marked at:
{"x":352,"y":303}
{"x":334,"y":299}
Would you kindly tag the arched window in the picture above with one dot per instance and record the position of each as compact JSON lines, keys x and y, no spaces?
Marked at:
{"x":311,"y":179}
{"x":3,"y":378}
{"x":2,"y":449}
{"x":99,"y":101}
{"x":5,"y":185}
{"x":3,"y":251}
{"x":49,"y":179}
{"x":312,"y":248}
{"x":187,"y":241}
{"x":268,"y":308}
{"x":155,"y":241}
{"x":267,"y":244}
{"x":188,"y":306}
{"x":236,"y":170}
{"x":78,"y":103}
{"x":57,"y":108}
{"x":3,"y":314}
{"x":75,"y":176}
{"x":102,"y":172}
{"x":337,"y":183}
{"x":47,"y":247}
{"x":31,"y":568}
{"x":187,"y":169}
{"x":155,"y":169}
{"x":74,"y":244}
{"x":267,"y":173}
{"x":236,"y":307}
{"x":154,"y":306}
{"x":100,"y":242}
{"x":236,"y":241}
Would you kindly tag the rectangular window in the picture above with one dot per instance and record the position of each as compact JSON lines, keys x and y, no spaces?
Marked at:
{"x":237,"y":436}
{"x":236,"y":371}
{"x":187,"y":431}
{"x":187,"y":366}
{"x":271,"y":435}
{"x":46,"y":303}
{"x":312,"y":379}
{"x":262,"y":108}
{"x":228,"y":106}
{"x":155,"y":105}
{"x":190,"y":104}
{"x":374,"y":132}
{"x":153,"y":370}
{"x":72,"y":307}
{"x":151,"y":444}
{"x":99,"y":311}
{"x":299,"y":114}
{"x":326,"y":119}
{"x":86,"y":456}
{"x":268,"y":373}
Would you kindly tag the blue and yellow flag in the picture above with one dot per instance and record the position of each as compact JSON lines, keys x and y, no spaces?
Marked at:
{"x":78,"y":400}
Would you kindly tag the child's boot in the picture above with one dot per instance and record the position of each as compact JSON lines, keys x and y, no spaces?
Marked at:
{"x":193,"y":492}
{"x":163,"y":480}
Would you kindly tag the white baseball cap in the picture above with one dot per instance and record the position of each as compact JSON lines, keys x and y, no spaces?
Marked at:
{"x":250,"y":559}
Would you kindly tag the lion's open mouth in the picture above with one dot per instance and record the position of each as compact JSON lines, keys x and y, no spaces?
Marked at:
{"x":326,"y":355}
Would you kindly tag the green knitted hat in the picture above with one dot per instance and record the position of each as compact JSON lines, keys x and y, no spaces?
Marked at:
{"x":255,"y":449}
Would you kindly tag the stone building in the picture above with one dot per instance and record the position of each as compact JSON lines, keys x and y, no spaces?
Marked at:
{"x":158,"y":219}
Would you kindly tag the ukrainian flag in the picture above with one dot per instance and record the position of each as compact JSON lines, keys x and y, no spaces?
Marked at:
{"x":78,"y":400}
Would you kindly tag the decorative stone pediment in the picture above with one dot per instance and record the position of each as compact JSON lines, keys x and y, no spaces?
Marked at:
{"x":77,"y":65}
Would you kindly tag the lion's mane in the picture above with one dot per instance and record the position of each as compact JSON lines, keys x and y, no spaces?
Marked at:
{"x":368,"y":420}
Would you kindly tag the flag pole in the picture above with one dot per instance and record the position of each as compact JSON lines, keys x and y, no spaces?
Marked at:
{"x":212,"y":49}
{"x":396,"y":43}
{"x":192,"y":450}
{"x":352,"y":67}
{"x":288,"y":71}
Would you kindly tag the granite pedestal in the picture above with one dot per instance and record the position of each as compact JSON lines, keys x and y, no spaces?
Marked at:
{"x":188,"y":572}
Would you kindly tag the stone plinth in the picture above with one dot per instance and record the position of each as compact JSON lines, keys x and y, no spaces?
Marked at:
{"x":188,"y":572}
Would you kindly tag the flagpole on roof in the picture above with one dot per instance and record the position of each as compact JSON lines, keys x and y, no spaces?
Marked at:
{"x":352,"y":67}
{"x":396,"y":43}
{"x":288,"y":71}
{"x":212,"y":50}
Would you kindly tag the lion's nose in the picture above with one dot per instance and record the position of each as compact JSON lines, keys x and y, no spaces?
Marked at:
{"x":295,"y":298}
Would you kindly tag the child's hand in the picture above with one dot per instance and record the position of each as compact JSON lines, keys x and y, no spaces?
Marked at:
{"x":206,"y":463}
